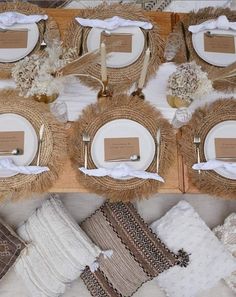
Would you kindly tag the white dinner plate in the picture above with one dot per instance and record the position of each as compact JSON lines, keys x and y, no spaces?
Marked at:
{"x":119,"y":129}
{"x":15,"y":54}
{"x":217,"y":59}
{"x":225,"y":129}
{"x":15,"y":122}
{"x":119,"y":60}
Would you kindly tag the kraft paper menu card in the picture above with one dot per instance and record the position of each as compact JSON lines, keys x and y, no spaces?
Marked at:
{"x":11,"y":140}
{"x":14,"y":39}
{"x":121,"y":148}
{"x":219,"y":44}
{"x":118,"y":42}
{"x":225,"y":148}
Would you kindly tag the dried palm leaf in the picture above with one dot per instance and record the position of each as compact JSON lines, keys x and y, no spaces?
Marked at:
{"x":223,"y":74}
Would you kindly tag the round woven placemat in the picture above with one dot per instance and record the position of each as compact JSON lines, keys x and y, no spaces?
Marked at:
{"x":121,"y":107}
{"x":54,"y":147}
{"x":47,"y":29}
{"x":194,"y":18}
{"x":203,"y":120}
{"x":120,"y":79}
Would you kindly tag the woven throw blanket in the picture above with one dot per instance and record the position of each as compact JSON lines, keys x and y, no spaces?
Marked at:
{"x":138,"y":255}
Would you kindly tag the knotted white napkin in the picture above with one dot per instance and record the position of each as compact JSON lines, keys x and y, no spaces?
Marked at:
{"x":120,"y":171}
{"x":221,"y":23}
{"x":113,"y":23}
{"x":10,"y":165}
{"x":7,"y":19}
{"x":216,"y":164}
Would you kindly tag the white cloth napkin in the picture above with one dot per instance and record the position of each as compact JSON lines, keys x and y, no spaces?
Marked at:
{"x":216,"y":164}
{"x":8,"y":19}
{"x":120,"y":171}
{"x":221,"y":23}
{"x":8,"y":164}
{"x":113,"y":23}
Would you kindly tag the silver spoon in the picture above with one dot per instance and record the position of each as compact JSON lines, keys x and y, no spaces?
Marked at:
{"x":13,"y":152}
{"x":131,"y":158}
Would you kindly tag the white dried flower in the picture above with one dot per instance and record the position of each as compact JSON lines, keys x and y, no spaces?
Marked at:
{"x":35,"y":74}
{"x":189,"y":82}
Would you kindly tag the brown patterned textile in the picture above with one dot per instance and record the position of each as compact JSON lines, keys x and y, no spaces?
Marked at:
{"x":138,"y":255}
{"x":11,"y":247}
{"x":45,"y":3}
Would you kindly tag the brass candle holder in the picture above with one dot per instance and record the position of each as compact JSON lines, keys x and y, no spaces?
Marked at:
{"x":138,"y":93}
{"x":104,"y":93}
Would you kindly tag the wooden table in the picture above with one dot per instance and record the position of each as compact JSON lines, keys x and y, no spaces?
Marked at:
{"x":67,"y":181}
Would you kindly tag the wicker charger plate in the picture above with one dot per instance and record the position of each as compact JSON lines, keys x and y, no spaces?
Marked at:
{"x":121,"y":107}
{"x":203,"y":120}
{"x":196,"y":18}
{"x":47,"y":29}
{"x":122,"y":78}
{"x":54,"y":148}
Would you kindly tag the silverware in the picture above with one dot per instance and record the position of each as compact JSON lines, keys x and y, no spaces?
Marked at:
{"x":131,"y":158}
{"x":13,"y":152}
{"x":16,"y":30}
{"x":86,"y":140}
{"x":197,"y":142}
{"x":209,"y":34}
{"x":41,"y":132}
{"x":158,"y":148}
{"x":185,"y":42}
{"x":43,"y":43}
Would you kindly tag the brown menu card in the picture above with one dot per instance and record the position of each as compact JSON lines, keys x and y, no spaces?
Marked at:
{"x":219,"y":44}
{"x":121,"y":148}
{"x":225,"y":148}
{"x":118,"y":42}
{"x":11,"y":140}
{"x":14,"y":39}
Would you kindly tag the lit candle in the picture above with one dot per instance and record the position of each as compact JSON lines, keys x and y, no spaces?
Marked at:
{"x":144,"y":69}
{"x":103,"y":62}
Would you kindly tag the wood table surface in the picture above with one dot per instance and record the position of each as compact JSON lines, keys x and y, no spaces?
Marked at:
{"x":67,"y":182}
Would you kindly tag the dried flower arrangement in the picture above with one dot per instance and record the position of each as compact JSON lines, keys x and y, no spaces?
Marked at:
{"x":48,"y":74}
{"x":186,"y":84}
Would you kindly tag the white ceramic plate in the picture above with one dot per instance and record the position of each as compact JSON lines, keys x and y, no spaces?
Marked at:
{"x":14,"y":122}
{"x":226,"y":129}
{"x":119,"y":60}
{"x":123,"y":128}
{"x":15,"y":54}
{"x":217,"y":59}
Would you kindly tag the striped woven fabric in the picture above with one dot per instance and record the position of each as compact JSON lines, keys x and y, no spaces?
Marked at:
{"x":138,"y":255}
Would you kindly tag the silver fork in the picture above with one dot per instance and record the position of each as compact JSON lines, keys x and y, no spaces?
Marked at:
{"x":86,"y":140}
{"x":197,"y":142}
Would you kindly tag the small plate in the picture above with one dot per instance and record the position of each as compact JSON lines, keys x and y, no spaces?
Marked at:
{"x":123,"y":128}
{"x":14,"y":54}
{"x":119,"y":60}
{"x":15,"y":122}
{"x":225,"y":129}
{"x":216,"y":59}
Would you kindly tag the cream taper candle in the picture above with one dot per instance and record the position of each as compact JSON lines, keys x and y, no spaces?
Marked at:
{"x":103,"y":62}
{"x":144,"y":69}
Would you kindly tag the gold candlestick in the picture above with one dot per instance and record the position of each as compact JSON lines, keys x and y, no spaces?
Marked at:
{"x":104,"y":93}
{"x":138,"y":93}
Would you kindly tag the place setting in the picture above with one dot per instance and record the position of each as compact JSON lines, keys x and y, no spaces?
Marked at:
{"x":208,"y":146}
{"x":209,"y":38}
{"x":30,"y":142}
{"x":128,"y":35}
{"x":25,"y":29}
{"x":123,"y":149}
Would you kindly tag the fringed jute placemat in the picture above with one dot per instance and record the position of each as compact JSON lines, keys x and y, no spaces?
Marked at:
{"x":53,"y":152}
{"x":187,"y":51}
{"x":121,"y":107}
{"x":48,"y":30}
{"x":120,"y":79}
{"x":203,"y":120}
